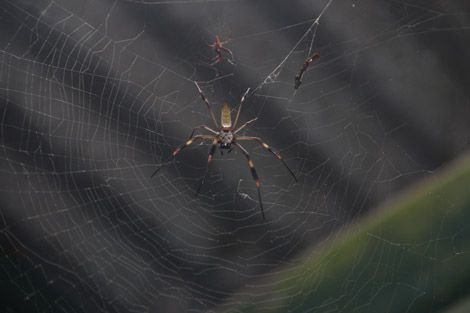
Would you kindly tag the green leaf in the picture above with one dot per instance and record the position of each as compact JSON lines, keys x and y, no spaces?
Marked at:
{"x":413,"y":255}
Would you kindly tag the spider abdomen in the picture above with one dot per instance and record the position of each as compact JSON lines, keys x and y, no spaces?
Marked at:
{"x":226,"y":121}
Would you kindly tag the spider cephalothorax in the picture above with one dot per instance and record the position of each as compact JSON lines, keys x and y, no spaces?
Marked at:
{"x":225,"y":137}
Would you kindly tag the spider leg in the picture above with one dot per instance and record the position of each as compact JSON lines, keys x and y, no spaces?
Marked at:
{"x":213,"y":63}
{"x":208,"y":105}
{"x":208,"y":58}
{"x":255,"y":175}
{"x":217,"y":61}
{"x":270,"y":150}
{"x":202,"y":126}
{"x":240,"y":107}
{"x":229,"y":38}
{"x":244,"y":125}
{"x":219,"y":55}
{"x":228,"y":51}
{"x":217,"y":58}
{"x":187,"y":143}
{"x":211,"y":154}
{"x":212,"y":46}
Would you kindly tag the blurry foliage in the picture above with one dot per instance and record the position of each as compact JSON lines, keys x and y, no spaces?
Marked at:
{"x":412,"y":256}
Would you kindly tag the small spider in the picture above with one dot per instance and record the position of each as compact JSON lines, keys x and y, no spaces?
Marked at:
{"x":225,"y":137}
{"x":217,"y":46}
{"x":298,"y":78}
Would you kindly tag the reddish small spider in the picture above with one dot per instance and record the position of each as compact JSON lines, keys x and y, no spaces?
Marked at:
{"x":225,"y":137}
{"x":217,"y":46}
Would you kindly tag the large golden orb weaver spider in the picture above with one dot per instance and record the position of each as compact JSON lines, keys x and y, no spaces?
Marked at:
{"x":225,"y":137}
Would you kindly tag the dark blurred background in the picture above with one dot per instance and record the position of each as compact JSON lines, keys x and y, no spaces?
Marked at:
{"x":94,"y":95}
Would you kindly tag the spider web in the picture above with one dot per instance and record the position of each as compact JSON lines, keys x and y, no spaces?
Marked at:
{"x":95,"y":95}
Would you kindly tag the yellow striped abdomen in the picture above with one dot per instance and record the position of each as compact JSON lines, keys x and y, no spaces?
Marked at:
{"x":226,"y":120}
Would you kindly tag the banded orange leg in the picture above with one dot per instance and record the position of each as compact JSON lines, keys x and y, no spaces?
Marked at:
{"x":211,"y":154}
{"x":270,"y":150}
{"x":178,"y":150}
{"x":255,"y":175}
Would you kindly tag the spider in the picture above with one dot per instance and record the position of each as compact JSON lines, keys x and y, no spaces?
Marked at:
{"x":225,"y":138}
{"x":217,"y":46}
